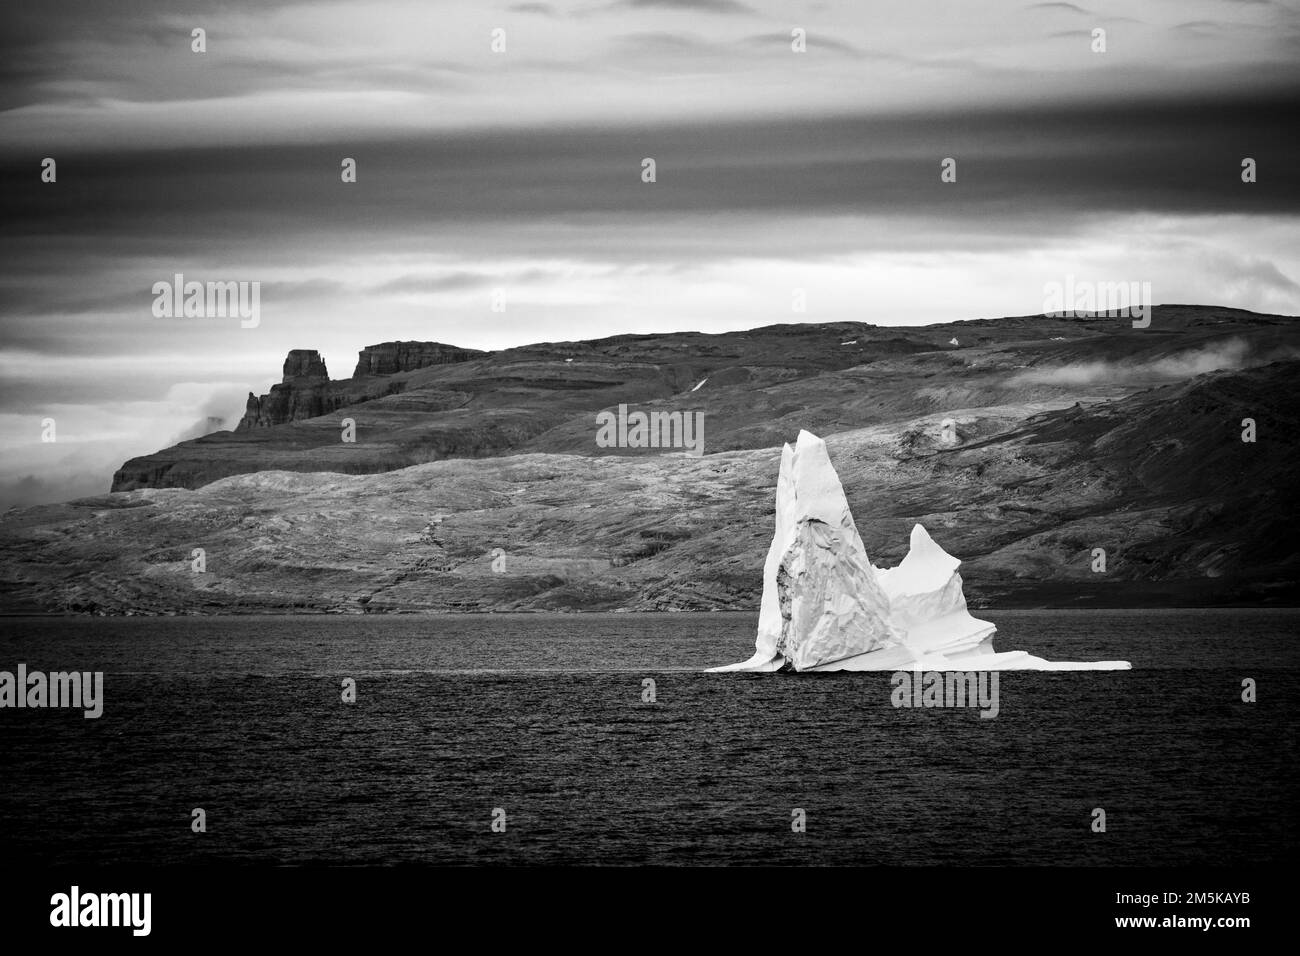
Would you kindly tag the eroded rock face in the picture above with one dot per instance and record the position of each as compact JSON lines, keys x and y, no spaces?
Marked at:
{"x":306,"y":390}
{"x":389,"y":358}
{"x":291,"y":401}
{"x":304,"y":363}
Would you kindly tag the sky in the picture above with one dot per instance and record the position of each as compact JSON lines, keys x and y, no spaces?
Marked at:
{"x":518,"y":172}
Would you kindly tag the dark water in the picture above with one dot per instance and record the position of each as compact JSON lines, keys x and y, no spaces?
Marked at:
{"x":542,"y":716}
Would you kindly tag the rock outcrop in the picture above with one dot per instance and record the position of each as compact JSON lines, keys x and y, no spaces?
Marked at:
{"x":303,"y":392}
{"x":306,"y":391}
{"x":389,"y":358}
{"x":304,"y":363}
{"x":289,"y":402}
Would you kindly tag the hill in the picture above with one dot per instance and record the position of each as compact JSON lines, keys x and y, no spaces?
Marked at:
{"x":1021,"y":451}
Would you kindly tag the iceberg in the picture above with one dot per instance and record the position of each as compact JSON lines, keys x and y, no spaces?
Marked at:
{"x":826,"y":607}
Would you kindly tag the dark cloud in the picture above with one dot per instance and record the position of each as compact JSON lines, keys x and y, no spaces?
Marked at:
{"x":190,"y":205}
{"x":50,"y":51}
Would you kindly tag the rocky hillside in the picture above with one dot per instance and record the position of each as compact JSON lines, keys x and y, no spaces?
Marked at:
{"x":416,"y":402}
{"x":1022,"y":457}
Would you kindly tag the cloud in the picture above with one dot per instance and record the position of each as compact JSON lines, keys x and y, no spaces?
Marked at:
{"x":1083,"y":159}
{"x":1230,"y":354}
{"x":31,"y":489}
{"x":94,"y":438}
{"x":1072,"y":8}
{"x":81,"y":75}
{"x":816,"y":41}
{"x":699,"y":6}
{"x":220,"y":411}
{"x":1265,"y":273}
{"x":1247,"y":281}
{"x":59,"y":472}
{"x":664,"y":42}
{"x":431,"y":284}
{"x":314,"y":288}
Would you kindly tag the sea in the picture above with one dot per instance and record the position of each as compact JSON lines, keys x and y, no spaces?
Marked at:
{"x":554,"y":739}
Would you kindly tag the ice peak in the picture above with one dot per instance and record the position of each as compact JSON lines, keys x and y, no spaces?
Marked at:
{"x":817,"y":489}
{"x":926,"y":567}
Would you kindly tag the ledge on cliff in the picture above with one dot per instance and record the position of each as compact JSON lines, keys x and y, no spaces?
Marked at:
{"x":389,"y":358}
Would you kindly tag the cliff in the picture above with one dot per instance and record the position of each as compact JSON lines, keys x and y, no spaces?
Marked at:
{"x":304,"y":363}
{"x":307,"y":392}
{"x":389,"y":358}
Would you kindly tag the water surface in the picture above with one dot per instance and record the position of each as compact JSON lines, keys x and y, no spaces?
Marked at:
{"x":542,"y":716}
